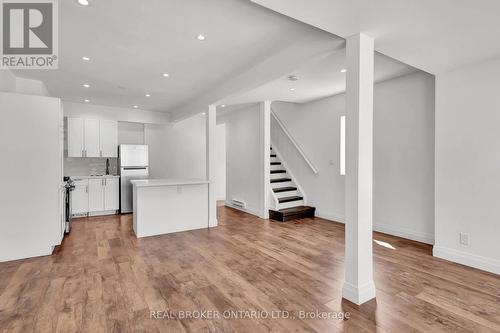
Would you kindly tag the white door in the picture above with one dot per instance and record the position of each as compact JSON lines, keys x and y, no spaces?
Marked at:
{"x":91,"y":134}
{"x":109,"y":138}
{"x":75,"y":137}
{"x":112,"y":194}
{"x":80,"y":200}
{"x":96,"y":195}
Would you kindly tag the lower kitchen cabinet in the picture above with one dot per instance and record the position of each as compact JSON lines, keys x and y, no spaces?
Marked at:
{"x":95,"y":196}
{"x":80,"y":198}
{"x":112,"y":194}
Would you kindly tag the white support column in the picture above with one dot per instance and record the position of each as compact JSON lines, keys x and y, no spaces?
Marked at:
{"x":211,"y":117}
{"x":265,"y":144}
{"x":358,"y":285}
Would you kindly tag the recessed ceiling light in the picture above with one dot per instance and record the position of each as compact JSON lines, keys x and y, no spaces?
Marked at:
{"x":200,"y":37}
{"x":86,"y":101}
{"x":343,"y":70}
{"x":165,"y":75}
{"x":85,"y":58}
{"x":292,"y":89}
{"x":223,"y":105}
{"x":203,"y":113}
{"x":136,"y":106}
{"x":148,"y":95}
{"x":83,"y":2}
{"x":86,"y":85}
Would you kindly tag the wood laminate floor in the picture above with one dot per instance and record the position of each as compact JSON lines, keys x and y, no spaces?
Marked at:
{"x":102,"y":279}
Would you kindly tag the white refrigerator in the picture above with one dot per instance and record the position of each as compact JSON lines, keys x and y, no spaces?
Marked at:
{"x":133,"y":163}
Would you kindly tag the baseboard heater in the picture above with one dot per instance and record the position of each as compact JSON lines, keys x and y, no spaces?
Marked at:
{"x":239,"y":203}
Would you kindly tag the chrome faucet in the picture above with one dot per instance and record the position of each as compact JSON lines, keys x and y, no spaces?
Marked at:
{"x":107,"y":166}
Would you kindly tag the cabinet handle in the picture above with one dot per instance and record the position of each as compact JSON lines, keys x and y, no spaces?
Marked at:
{"x":101,"y":153}
{"x":87,"y":189}
{"x":82,"y":153}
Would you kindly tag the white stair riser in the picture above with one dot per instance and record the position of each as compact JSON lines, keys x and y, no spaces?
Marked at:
{"x":287,"y":194}
{"x":279,"y":175}
{"x":275,"y":159}
{"x":283,"y":184}
{"x":277,"y":167}
{"x":291,"y":204}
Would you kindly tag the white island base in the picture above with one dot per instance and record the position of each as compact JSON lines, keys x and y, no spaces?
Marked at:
{"x":163,"y":206}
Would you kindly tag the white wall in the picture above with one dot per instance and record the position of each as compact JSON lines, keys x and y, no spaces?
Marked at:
{"x":86,"y":110}
{"x":220,"y":161}
{"x":177,"y":150}
{"x":7,"y":81}
{"x":403,"y":189}
{"x":31,"y":87}
{"x":468,"y":165}
{"x":130,"y":133}
{"x":243,"y":157}
{"x":30,"y":175}
{"x":10,"y":83}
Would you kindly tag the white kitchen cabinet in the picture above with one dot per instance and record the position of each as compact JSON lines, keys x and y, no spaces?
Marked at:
{"x":92,"y":140}
{"x":80,"y":198}
{"x":112,"y":194}
{"x":75,"y":137}
{"x":109,"y":138}
{"x":96,"y":195}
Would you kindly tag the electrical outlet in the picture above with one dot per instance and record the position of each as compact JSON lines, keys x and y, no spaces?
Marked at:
{"x":464,"y":239}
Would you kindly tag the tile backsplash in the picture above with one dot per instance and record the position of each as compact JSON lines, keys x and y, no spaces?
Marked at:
{"x":89,"y":166}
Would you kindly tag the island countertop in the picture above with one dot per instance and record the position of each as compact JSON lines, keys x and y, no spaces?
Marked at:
{"x":168,"y":182}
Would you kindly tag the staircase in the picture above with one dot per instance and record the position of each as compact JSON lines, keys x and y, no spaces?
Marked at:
{"x":289,"y":202}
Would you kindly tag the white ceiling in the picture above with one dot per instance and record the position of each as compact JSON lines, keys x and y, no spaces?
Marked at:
{"x":432,"y":35}
{"x":131,"y":43}
{"x":319,"y":78}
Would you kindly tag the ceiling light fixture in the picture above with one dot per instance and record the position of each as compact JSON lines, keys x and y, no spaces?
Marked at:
{"x":343,"y":70}
{"x":86,"y":101}
{"x":292,"y":89}
{"x":200,"y":37}
{"x":148,"y":95}
{"x":86,"y":85}
{"x":136,"y":106}
{"x":166,"y":75}
{"x":85,"y":58}
{"x":203,"y":113}
{"x":223,"y":105}
{"x":83,"y":2}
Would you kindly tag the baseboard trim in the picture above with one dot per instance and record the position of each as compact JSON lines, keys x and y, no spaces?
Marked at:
{"x":330,"y":217}
{"x":468,"y":259}
{"x":245,"y":210}
{"x":358,"y":294}
{"x":404,"y":233}
{"x":385,"y":229}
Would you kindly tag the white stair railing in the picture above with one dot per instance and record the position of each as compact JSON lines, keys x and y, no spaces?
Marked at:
{"x":294,"y":143}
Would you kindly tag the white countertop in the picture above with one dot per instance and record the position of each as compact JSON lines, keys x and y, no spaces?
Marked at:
{"x":88,"y":177}
{"x":167,"y":182}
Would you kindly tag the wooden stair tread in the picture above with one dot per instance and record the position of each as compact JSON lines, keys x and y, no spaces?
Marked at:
{"x":281,"y":180}
{"x":278,"y":171}
{"x":273,"y":155}
{"x":284,"y":189}
{"x":290,"y":199}
{"x":293,"y":213}
{"x":275,"y":163}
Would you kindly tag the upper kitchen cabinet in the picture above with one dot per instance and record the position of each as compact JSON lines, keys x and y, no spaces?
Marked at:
{"x":109,"y":138}
{"x":92,"y":138}
{"x":76,"y":148}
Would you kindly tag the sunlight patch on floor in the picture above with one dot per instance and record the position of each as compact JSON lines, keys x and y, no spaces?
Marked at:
{"x":384,"y":244}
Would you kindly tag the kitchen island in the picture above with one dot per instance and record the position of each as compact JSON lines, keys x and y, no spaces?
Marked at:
{"x":163,"y":206}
